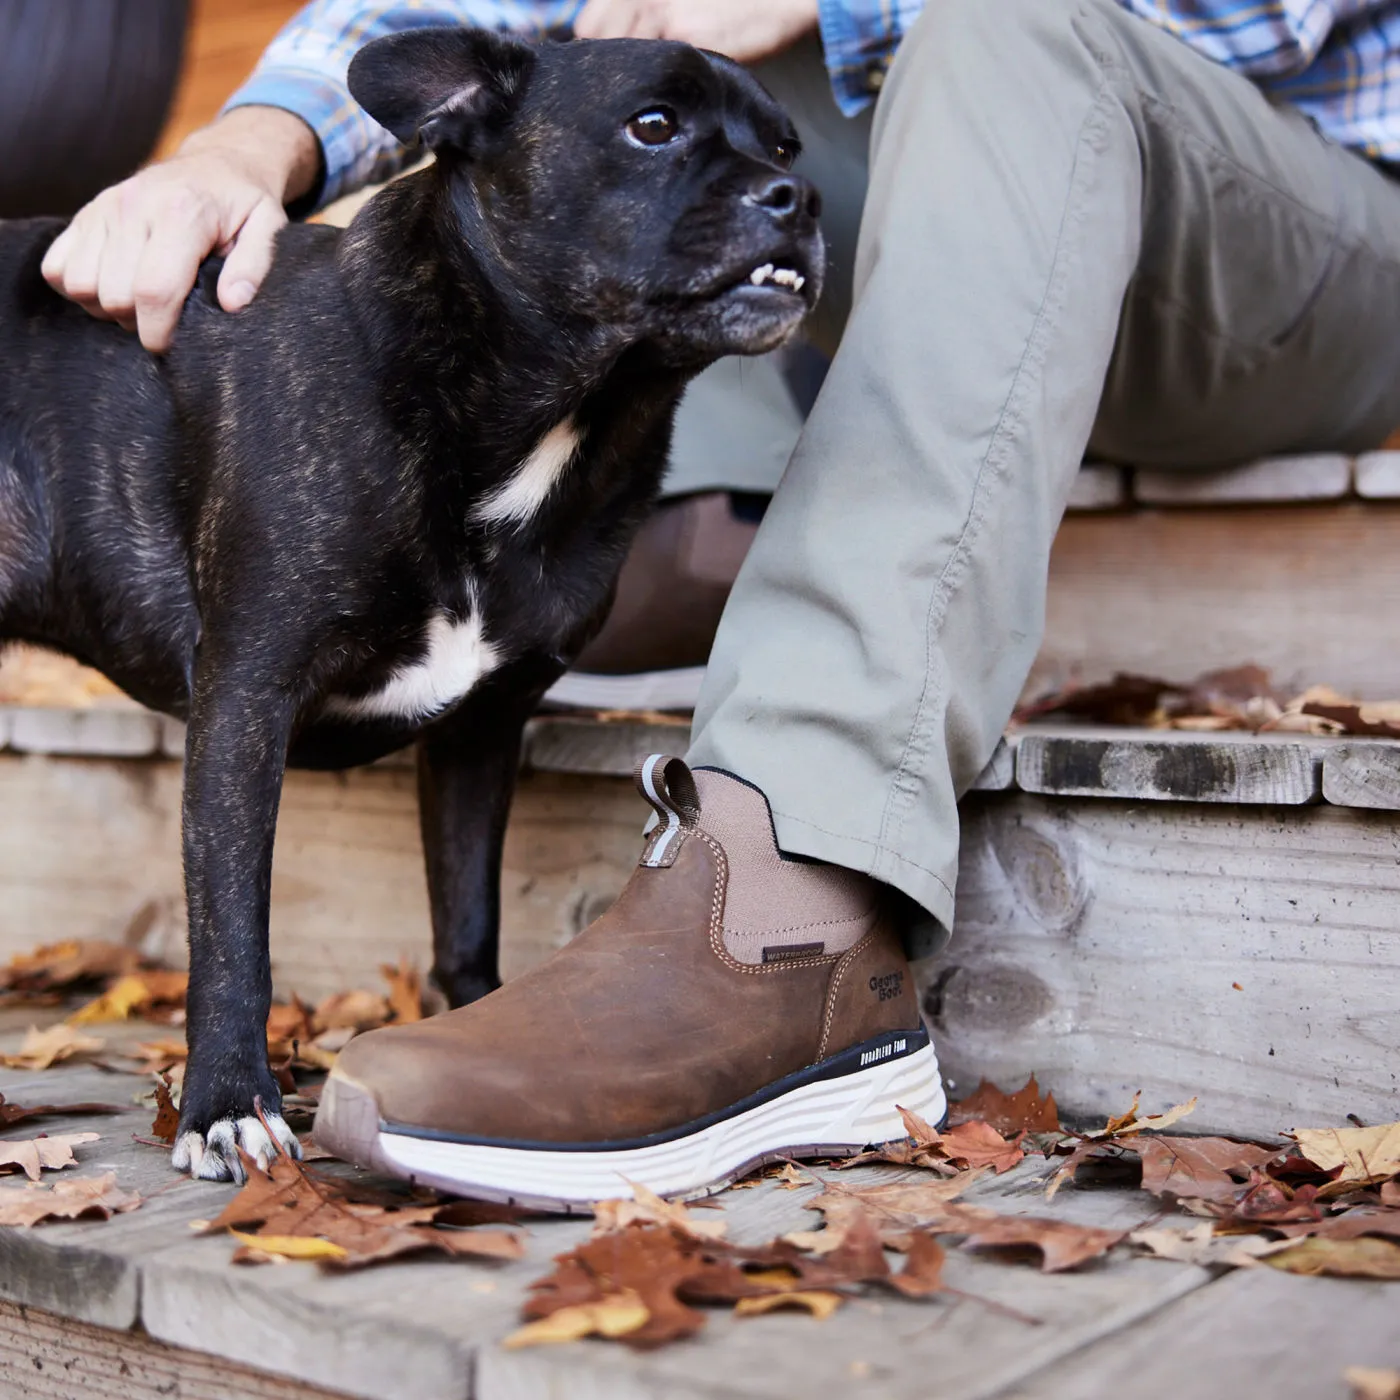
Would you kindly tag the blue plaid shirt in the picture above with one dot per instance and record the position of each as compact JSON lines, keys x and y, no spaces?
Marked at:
{"x":1337,"y":60}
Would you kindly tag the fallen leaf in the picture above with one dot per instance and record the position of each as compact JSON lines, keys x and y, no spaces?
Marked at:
{"x":1364,"y":1155}
{"x":1201,"y":1245}
{"x":1125,"y":1126}
{"x":65,"y":1200}
{"x":1379,"y":718}
{"x":46,"y":1153}
{"x":354,"y":1010}
{"x":1358,"y":1258}
{"x":63,"y":966}
{"x":922,"y":1273}
{"x":646,"y":1206}
{"x":287,"y":1201}
{"x":405,"y":991}
{"x":43,"y":1049}
{"x":1196,"y":1167}
{"x":167,"y":1120}
{"x":288,"y":1024}
{"x":1372,"y":1383}
{"x":789,"y":1179}
{"x":613,"y":1316}
{"x":287,"y":1246}
{"x":896,"y":1207}
{"x":144,"y":992}
{"x":1126,"y":699}
{"x":1025,"y":1111}
{"x":12,"y":1113}
{"x":978,"y":1144}
{"x":819,"y":1303}
{"x":1061,"y":1245}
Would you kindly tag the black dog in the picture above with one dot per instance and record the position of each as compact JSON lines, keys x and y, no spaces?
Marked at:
{"x":391,"y":498}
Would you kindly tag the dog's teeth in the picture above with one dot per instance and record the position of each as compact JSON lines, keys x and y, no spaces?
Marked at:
{"x":799,"y":282}
{"x":760,"y":275}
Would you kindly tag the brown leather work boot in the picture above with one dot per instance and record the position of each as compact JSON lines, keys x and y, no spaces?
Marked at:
{"x":734,"y":1006}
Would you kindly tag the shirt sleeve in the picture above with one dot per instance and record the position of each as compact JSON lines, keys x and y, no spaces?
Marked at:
{"x":303,"y":72}
{"x":1273,"y":39}
{"x":860,"y":38}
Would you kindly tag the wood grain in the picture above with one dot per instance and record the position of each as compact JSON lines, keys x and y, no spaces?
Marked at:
{"x":1248,"y":956}
{"x":1306,"y":590}
{"x":1361,"y":774}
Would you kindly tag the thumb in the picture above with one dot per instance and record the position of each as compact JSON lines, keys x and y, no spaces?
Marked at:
{"x":251,"y":257}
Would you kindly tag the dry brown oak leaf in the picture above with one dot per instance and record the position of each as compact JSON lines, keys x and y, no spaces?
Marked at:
{"x":65,"y":1200}
{"x":59,"y":966}
{"x":966,"y":1147}
{"x":12,"y":1113}
{"x":1025,"y":1111}
{"x":166,"y":1123}
{"x":150,"y":994}
{"x":287,"y":1202}
{"x":640,"y":1284}
{"x":1357,"y":1155}
{"x":42,"y":1153}
{"x":405,"y":991}
{"x":1365,"y":1257}
{"x":1061,"y":1245}
{"x":43,"y":1049}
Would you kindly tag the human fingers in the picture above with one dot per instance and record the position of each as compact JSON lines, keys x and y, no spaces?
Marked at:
{"x":184,"y":232}
{"x":250,"y":259}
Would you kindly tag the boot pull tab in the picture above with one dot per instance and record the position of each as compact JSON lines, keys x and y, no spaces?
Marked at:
{"x":668,"y":784}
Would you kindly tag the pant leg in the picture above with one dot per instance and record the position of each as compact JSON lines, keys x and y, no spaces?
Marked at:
{"x":1050,"y":180}
{"x":739,"y":422}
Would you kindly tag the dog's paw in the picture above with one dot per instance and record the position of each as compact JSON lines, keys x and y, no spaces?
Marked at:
{"x":213,"y":1155}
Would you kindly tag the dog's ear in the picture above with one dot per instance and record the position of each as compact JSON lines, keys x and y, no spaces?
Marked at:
{"x":444,"y":86}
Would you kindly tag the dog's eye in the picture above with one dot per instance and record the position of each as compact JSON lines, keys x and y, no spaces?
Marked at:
{"x":785,"y":154}
{"x":654,"y":127}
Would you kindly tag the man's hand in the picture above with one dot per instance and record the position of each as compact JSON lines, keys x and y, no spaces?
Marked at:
{"x":746,"y":30}
{"x":133,"y":253}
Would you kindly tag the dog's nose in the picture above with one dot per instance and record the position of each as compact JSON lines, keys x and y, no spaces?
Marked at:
{"x":785,"y":197}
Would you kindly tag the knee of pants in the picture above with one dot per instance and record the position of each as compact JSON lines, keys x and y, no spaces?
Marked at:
{"x":1021,"y":42}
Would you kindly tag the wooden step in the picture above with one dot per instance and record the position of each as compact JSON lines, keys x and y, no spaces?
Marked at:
{"x":1136,"y":909}
{"x":113,"y":1308}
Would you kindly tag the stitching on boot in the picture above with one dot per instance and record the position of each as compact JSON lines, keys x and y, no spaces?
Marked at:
{"x":717,"y":926}
{"x":836,"y":981}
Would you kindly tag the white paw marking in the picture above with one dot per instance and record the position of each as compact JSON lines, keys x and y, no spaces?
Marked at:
{"x":213,"y":1156}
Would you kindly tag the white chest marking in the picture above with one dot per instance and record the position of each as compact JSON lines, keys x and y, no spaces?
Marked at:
{"x":458,"y":656}
{"x":526,"y":491}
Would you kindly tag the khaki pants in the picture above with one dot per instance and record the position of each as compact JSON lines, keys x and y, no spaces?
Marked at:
{"x":1076,"y":232}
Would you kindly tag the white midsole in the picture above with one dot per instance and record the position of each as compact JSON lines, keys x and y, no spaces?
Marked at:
{"x":827,"y":1117}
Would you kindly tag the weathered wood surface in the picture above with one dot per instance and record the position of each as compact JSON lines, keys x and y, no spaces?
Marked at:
{"x":1167,"y":766}
{"x":44,"y":1357}
{"x":1250,"y":957}
{"x":1256,"y":1332}
{"x":1309,"y":591}
{"x":1319,"y":477}
{"x":432,"y":1330}
{"x":1360,"y":773}
{"x":1098,"y":487}
{"x":1378,"y":476}
{"x":91,"y":849}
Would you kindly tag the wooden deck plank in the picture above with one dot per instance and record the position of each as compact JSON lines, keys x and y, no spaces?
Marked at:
{"x":1378,"y":476}
{"x":1317,"y":477}
{"x":433,"y":1329}
{"x":1254,"y":1332}
{"x":1304,"y":590}
{"x":111,"y":732}
{"x":1363,"y":774}
{"x":1251,"y":957}
{"x":1098,"y":487}
{"x":1164,"y":766}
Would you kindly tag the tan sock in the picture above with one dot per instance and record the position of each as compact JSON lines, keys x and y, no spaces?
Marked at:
{"x":775,"y":908}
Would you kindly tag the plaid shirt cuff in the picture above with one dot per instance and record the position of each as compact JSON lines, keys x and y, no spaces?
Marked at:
{"x":860,"y":38}
{"x":355,"y":149}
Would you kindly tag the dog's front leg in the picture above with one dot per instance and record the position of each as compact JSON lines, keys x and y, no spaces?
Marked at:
{"x":235,"y":755}
{"x":466,"y":777}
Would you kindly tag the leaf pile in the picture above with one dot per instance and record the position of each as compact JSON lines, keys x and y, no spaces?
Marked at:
{"x":649,"y":1264}
{"x":1326,"y":1203}
{"x":1238,"y":698}
{"x":48,"y":973}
